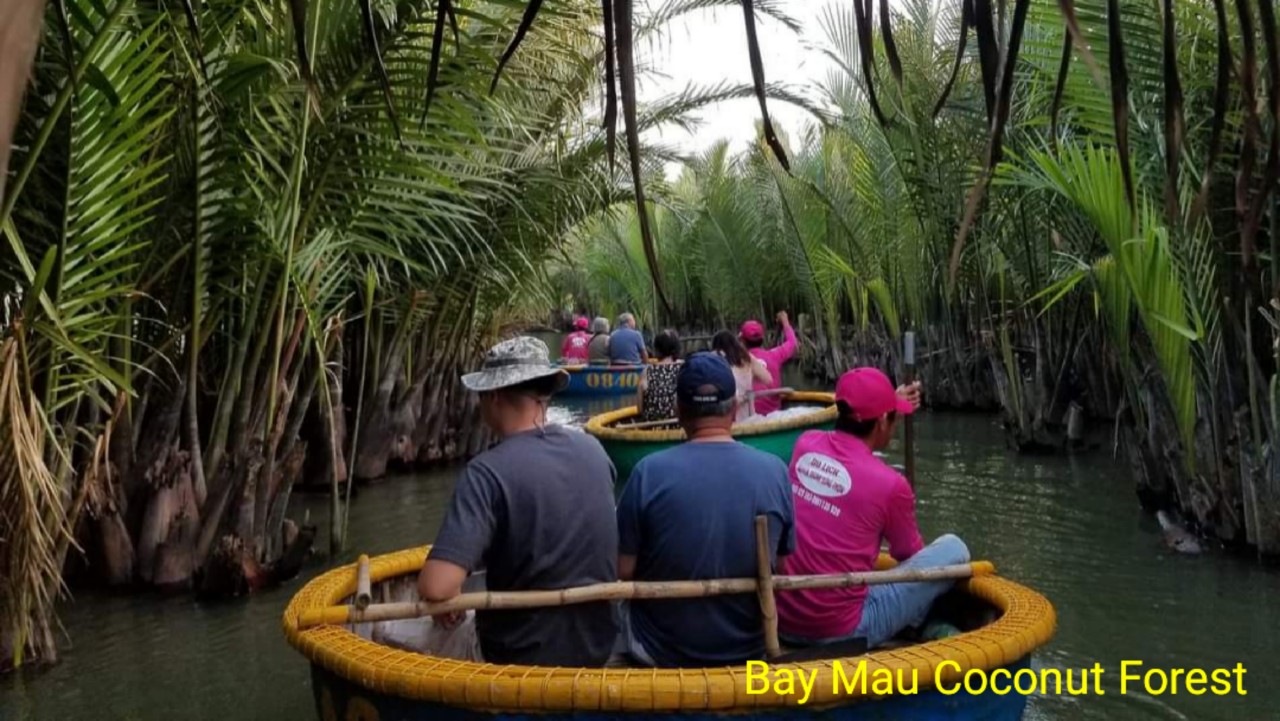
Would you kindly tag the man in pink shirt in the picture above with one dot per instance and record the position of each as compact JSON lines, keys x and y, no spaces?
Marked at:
{"x":752,"y":334}
{"x":574,"y":349}
{"x":846,"y":501}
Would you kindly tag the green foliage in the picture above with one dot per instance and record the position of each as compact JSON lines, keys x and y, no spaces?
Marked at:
{"x":860,"y":232}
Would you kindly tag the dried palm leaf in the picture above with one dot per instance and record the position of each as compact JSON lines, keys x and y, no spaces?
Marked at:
{"x":995,"y":142}
{"x":1120,"y":97}
{"x":371,"y":37}
{"x":530,"y":14}
{"x":1173,"y":122}
{"x":757,"y":79}
{"x":966,"y":21}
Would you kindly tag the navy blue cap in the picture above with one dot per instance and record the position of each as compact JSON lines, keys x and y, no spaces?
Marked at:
{"x":705,"y":379}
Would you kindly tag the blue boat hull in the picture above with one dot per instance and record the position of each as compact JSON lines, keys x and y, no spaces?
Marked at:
{"x":603,"y":381}
{"x":338,"y":698}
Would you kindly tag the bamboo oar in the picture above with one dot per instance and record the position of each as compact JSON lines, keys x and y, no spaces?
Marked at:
{"x":764,"y":589}
{"x":629,"y":590}
{"x":673,"y":421}
{"x":909,"y":429}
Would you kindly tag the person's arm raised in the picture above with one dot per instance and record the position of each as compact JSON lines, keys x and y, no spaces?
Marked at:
{"x":788,"y":348}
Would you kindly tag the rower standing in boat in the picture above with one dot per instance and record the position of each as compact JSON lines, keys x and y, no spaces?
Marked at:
{"x":626,"y":345}
{"x":752,"y":334}
{"x":846,"y":501}
{"x":536,"y":511}
{"x":574,"y":350}
{"x":598,"y":346}
{"x":686,"y":514}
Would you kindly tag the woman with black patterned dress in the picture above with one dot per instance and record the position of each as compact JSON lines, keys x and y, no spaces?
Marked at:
{"x":658,"y":384}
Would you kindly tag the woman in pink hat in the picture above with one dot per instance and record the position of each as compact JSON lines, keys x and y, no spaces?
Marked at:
{"x":848,"y":502}
{"x":752,"y":334}
{"x":574,"y":350}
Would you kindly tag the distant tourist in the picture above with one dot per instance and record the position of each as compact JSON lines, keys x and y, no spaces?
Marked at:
{"x":658,"y":382}
{"x":574,"y":349}
{"x":747,"y":370}
{"x":626,"y":345}
{"x":752,"y":333}
{"x":535,"y":511}
{"x":689,"y":513}
{"x":847,"y":501}
{"x":598,"y":346}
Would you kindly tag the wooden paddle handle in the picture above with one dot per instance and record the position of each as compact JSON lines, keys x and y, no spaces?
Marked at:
{"x":908,"y":426}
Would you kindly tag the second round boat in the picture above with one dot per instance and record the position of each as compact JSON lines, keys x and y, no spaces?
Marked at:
{"x":626,"y":447}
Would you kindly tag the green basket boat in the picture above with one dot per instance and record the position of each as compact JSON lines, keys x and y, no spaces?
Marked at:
{"x":627,"y":446}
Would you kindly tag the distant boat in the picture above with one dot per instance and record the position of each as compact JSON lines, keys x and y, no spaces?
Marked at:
{"x":999,"y":624}
{"x":602,"y":380}
{"x":626,"y":446}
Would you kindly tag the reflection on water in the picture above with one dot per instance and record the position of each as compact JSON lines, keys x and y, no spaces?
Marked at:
{"x":1068,"y":527}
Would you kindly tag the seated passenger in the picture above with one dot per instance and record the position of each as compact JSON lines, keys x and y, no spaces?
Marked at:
{"x":536,"y":511}
{"x":747,"y":369}
{"x":626,"y":345}
{"x":658,"y":382}
{"x":598,"y":346}
{"x":689,"y":513}
{"x":846,"y":501}
{"x":574,"y":349}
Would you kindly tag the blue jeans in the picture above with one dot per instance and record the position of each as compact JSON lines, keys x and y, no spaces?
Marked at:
{"x":889,"y":608}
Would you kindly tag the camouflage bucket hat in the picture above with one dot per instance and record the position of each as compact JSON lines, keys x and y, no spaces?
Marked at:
{"x":513,"y":362}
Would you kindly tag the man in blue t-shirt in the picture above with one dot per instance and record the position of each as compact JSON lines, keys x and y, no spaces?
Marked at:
{"x":689,"y":513}
{"x":626,"y":345}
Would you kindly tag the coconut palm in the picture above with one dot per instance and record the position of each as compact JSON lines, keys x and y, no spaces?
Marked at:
{"x":219,"y":246}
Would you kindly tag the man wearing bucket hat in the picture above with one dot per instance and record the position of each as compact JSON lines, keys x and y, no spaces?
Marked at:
{"x":752,"y":335}
{"x":847,"y":500}
{"x":535,"y":511}
{"x":574,"y":349}
{"x":689,"y":513}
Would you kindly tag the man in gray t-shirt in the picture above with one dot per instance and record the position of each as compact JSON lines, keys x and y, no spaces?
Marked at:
{"x":536,"y":512}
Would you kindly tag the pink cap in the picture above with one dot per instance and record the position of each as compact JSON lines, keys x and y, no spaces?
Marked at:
{"x":869,"y":394}
{"x":581,"y":323}
{"x":752,"y":330}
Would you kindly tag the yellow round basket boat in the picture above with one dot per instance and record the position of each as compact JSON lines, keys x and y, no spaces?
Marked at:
{"x":354,"y":678}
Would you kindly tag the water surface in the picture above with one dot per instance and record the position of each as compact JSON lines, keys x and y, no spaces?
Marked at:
{"x":1067,"y":526}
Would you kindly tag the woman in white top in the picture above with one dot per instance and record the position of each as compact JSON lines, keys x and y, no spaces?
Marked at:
{"x":746,"y":370}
